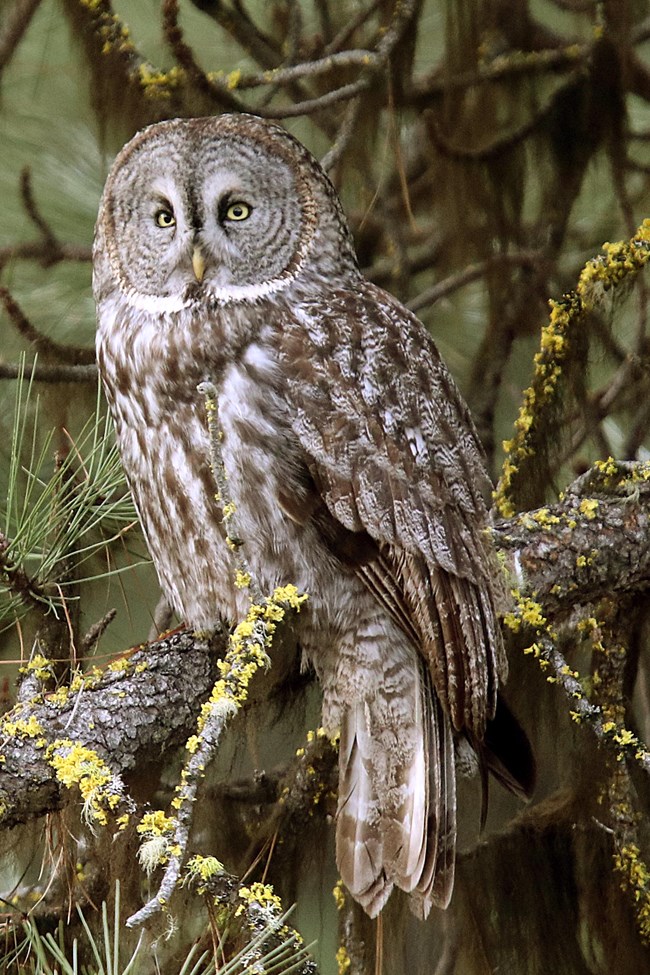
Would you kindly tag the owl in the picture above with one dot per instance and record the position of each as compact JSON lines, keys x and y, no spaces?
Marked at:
{"x":222,"y":253}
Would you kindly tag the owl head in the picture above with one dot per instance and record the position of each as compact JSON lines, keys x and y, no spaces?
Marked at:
{"x":230,"y":208}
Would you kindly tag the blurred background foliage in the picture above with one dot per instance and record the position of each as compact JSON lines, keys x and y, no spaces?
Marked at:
{"x":484,"y":151}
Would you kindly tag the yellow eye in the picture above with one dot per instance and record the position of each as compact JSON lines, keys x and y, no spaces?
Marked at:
{"x":238,"y":211}
{"x":165,"y":218}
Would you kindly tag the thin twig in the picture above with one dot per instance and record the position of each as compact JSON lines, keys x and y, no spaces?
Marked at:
{"x":310,"y":105}
{"x":16,"y":23}
{"x":471,"y":273}
{"x":49,"y":374}
{"x":544,"y":648}
{"x":341,"y":40}
{"x":96,"y":631}
{"x":184,"y":55}
{"x":31,"y":209}
{"x":226,"y":503}
{"x":343,"y":136}
{"x":72,"y":355}
{"x":46,"y":252}
{"x":505,"y":66}
{"x":371,"y":62}
{"x":325,"y":19}
{"x":248,"y":35}
{"x":309,"y":69}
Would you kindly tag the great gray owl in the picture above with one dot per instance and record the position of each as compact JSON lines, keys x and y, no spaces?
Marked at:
{"x":222,"y":252}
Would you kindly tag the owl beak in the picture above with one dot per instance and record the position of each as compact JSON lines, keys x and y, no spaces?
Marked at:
{"x":198,"y":264}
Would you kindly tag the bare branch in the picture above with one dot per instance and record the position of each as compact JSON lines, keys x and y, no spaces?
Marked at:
{"x":96,"y":631}
{"x":73,"y":355}
{"x":248,"y":35}
{"x":49,"y":374}
{"x":472,"y":273}
{"x":45,"y":252}
{"x":506,"y":66}
{"x":221,"y":93}
{"x":16,"y":24}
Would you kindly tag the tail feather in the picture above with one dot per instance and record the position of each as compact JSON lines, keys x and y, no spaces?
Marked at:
{"x":359,"y":840}
{"x":436,"y":881}
{"x":507,"y":752}
{"x":396,"y":822}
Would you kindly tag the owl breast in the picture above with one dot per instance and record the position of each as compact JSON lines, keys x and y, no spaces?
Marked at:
{"x":161,"y":427}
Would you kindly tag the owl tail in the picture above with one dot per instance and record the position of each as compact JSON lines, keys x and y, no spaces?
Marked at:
{"x":396,"y":822}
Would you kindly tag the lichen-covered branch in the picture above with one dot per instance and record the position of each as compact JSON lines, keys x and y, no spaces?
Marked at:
{"x":527,"y":452}
{"x":135,"y":710}
{"x":593,"y":542}
{"x":590,"y":544}
{"x":272,"y":944}
{"x":247,"y":653}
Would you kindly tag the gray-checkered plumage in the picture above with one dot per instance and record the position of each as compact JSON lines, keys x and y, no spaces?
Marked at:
{"x":351,"y":457}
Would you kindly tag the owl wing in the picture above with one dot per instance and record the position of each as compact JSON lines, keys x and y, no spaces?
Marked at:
{"x":394,"y":454}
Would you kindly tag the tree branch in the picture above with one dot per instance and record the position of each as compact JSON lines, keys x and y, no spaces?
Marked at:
{"x":16,"y":23}
{"x":140,"y":707}
{"x":567,"y":554}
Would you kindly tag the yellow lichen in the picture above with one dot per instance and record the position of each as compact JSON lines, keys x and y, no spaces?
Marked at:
{"x":77,"y":765}
{"x":40,"y":667}
{"x":121,"y":665}
{"x":242,"y":579}
{"x":156,"y":823}
{"x":59,"y":696}
{"x":588,"y":508}
{"x":343,"y":960}
{"x":527,"y":612}
{"x":338,"y":894}
{"x":608,"y":468}
{"x":260,"y":894}
{"x":159,"y":84}
{"x":636,"y":878}
{"x":203,"y":868}
{"x":247,"y":651}
{"x":20,"y":727}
